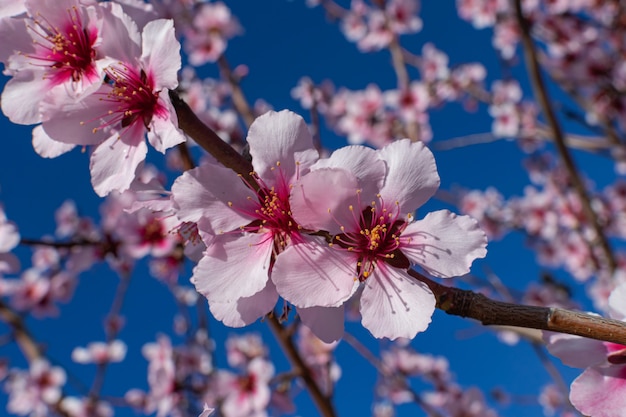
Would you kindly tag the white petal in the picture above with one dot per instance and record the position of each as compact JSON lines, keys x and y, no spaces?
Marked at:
{"x":233,"y":266}
{"x":444,"y":244}
{"x":412,"y":176}
{"x":161,"y":53}
{"x":204,"y":193}
{"x":114,"y":162}
{"x":245,"y":310}
{"x":312,"y":274}
{"x":394,"y":305}
{"x":47,"y":147}
{"x":276,"y":138}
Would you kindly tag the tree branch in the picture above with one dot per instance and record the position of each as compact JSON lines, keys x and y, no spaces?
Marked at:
{"x":322,"y":402}
{"x":489,"y":312}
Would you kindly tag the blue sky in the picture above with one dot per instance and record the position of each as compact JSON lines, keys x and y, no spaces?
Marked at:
{"x":284,"y":41}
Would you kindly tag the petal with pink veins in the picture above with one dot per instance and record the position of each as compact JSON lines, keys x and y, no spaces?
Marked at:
{"x":394,"y":305}
{"x":114,"y":162}
{"x":444,"y":244}
{"x":320,"y":200}
{"x":205,"y":192}
{"x":600,"y":392}
{"x":280,"y":137}
{"x":234,"y":266}
{"x":412,"y":176}
{"x":310,"y":274}
{"x":245,"y":310}
{"x":363,"y":163}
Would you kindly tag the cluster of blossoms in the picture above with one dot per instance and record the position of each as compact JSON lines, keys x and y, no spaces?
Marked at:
{"x":379,"y":117}
{"x":401,"y":364}
{"x":92,"y":76}
{"x":318,"y":231}
{"x":582,"y":40}
{"x":185,"y":376}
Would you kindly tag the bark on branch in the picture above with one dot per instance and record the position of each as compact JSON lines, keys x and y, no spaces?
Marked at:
{"x":464,"y":303}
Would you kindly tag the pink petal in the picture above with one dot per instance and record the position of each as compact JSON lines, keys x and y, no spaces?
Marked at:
{"x":325,"y":322}
{"x":122,"y":40}
{"x":161,"y":53}
{"x":617,"y":302}
{"x":444,"y":244}
{"x":204,"y":193}
{"x":164,"y":132}
{"x":321,"y":199}
{"x":600,"y":392}
{"x":47,"y":147}
{"x":394,"y":305}
{"x":22,"y":95}
{"x":312,"y":274}
{"x":276,"y":138}
{"x":575,"y":351}
{"x":412,"y":174}
{"x":234,"y":266}
{"x":246,"y":310}
{"x":73,"y":122}
{"x":364,"y":163}
{"x":114,"y":162}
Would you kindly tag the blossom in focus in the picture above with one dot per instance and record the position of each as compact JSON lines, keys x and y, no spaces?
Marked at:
{"x":375,"y":238}
{"x":245,"y":228}
{"x":132,"y":102}
{"x":57,"y":48}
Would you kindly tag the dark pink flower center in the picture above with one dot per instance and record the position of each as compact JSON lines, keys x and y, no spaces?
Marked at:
{"x":68,"y":52}
{"x":132,"y":97}
{"x":272,"y":211}
{"x":375,"y":238}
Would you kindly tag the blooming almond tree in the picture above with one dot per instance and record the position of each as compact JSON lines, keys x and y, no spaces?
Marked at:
{"x":376,"y":238}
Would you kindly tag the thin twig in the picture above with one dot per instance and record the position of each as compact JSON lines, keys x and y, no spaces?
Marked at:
{"x":323,"y":403}
{"x":239,"y":99}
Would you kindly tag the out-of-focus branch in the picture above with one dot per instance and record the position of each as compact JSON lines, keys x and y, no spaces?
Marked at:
{"x":22,"y":336}
{"x":466,"y":303}
{"x":323,"y":403}
{"x":239,"y":99}
{"x":541,"y":94}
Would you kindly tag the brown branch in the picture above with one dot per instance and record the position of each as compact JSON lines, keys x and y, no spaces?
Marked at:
{"x":540,"y":92}
{"x":209,"y":140}
{"x":22,"y":336}
{"x":322,"y":402}
{"x":489,"y":312}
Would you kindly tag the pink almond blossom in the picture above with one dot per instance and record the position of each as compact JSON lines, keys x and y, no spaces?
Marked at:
{"x":244,"y":229}
{"x":57,"y":48}
{"x":132,"y":102}
{"x":375,"y":238}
